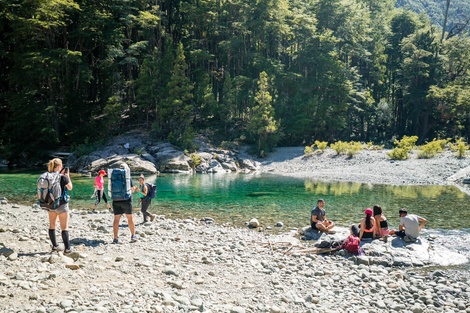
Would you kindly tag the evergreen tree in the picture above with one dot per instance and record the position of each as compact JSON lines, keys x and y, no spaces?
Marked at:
{"x":261,"y":125}
{"x":178,"y":108}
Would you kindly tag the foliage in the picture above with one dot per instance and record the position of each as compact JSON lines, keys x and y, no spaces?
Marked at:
{"x":196,"y":160}
{"x":403,"y":146}
{"x":321,"y":145}
{"x":407,"y":142}
{"x":460,"y":147}
{"x":320,"y":148}
{"x":262,"y":126}
{"x":340,"y":147}
{"x":309,"y":150}
{"x":398,"y":154}
{"x":268,"y":73}
{"x":353,"y":148}
{"x":430,"y":149}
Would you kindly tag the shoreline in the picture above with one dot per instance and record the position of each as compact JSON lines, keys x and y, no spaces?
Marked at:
{"x":369,"y":167}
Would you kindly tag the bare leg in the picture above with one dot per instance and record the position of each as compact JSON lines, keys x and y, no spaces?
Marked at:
{"x":117,"y":218}
{"x":130,"y":222}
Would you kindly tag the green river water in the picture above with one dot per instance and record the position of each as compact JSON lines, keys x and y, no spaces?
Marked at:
{"x":236,"y":198}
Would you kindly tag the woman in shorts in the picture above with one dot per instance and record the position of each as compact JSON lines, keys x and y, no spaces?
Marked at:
{"x":62,"y":211}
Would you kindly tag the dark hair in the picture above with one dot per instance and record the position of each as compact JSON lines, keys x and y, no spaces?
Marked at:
{"x":320,"y":200}
{"x":368,"y":222}
{"x":377,"y":210}
{"x":402,"y":211}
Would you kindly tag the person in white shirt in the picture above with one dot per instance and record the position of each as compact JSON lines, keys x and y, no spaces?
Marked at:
{"x":410,"y":226}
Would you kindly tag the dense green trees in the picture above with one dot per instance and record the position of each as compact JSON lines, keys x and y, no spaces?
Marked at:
{"x":284,"y":72}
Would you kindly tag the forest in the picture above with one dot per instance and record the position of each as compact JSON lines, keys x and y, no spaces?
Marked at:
{"x":267,"y":73}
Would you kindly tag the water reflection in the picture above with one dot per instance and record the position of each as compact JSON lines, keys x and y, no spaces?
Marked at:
{"x":337,"y":189}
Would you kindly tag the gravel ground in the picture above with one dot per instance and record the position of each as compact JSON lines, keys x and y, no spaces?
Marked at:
{"x":199,"y":266}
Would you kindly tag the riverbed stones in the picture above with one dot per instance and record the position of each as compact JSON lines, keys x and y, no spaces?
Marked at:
{"x":193,"y":266}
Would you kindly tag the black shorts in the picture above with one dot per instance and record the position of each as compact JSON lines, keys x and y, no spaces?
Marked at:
{"x":122,"y":207}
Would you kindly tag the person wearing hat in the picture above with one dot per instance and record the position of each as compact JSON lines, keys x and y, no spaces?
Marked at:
{"x":410,"y":226}
{"x":366,"y":229}
{"x":144,"y":200}
{"x":99,"y":190}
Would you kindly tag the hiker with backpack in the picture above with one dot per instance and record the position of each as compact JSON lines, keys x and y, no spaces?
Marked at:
{"x":120,"y":190}
{"x":146,"y":192}
{"x":99,"y":190}
{"x":52,"y":194}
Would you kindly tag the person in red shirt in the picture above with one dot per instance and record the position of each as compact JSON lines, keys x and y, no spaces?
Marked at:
{"x":99,"y":190}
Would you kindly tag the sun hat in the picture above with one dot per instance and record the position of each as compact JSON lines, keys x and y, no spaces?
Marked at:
{"x":368,"y":211}
{"x":102,"y":172}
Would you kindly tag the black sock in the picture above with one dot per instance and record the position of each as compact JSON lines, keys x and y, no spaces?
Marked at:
{"x":52,"y":237}
{"x":65,"y":238}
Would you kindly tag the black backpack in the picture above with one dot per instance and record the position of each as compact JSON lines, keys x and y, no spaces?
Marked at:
{"x":151,"y":190}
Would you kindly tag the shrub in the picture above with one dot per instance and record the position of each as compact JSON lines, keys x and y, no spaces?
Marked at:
{"x":340,"y":147}
{"x":430,"y":149}
{"x":403,"y":147}
{"x":353,"y":148}
{"x":407,"y":142}
{"x":308,"y":151}
{"x":398,"y":154}
{"x":371,"y":146}
{"x":460,"y":147}
{"x":321,"y":145}
{"x":196,"y":160}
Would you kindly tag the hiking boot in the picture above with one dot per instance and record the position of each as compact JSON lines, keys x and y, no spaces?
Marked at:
{"x":55,"y":248}
{"x":67,"y":251}
{"x":152,"y":217}
{"x":115,"y":241}
{"x":133,"y":238}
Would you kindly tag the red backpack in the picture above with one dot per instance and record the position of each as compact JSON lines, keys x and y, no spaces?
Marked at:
{"x":352,"y":244}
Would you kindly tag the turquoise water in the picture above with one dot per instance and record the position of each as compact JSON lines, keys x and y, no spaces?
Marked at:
{"x":236,"y":198}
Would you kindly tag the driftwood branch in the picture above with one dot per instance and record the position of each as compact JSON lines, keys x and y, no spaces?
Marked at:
{"x":290,"y":248}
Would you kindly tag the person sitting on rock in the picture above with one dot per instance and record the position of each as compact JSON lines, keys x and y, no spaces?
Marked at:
{"x":318,"y":219}
{"x":366,"y":229}
{"x":381,"y":223}
{"x":410,"y":226}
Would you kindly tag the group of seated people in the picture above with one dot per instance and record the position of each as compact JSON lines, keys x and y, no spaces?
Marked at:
{"x":373,"y":225}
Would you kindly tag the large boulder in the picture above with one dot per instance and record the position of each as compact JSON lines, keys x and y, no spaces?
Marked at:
{"x":426,"y":251}
{"x":144,"y":155}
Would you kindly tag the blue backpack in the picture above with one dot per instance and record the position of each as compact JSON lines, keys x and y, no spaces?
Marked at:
{"x":151,"y":190}
{"x":120,"y":184}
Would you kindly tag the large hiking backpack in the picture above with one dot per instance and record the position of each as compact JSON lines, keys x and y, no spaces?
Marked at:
{"x":352,"y":244}
{"x":151,"y":190}
{"x":50,"y":196}
{"x":119,"y":185}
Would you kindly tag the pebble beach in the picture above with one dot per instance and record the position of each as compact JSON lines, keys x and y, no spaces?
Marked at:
{"x":191,"y":265}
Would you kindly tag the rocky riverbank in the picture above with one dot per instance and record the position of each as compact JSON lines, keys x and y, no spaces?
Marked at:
{"x":366,"y":166}
{"x":199,"y":266}
{"x":369,"y":166}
